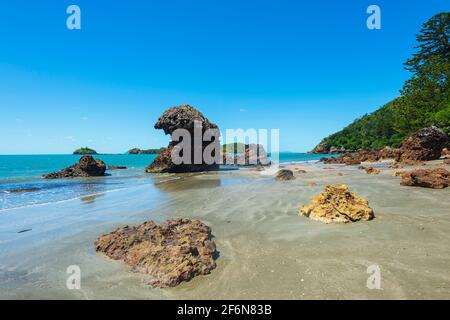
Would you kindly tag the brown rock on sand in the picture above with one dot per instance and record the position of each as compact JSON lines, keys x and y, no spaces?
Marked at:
{"x":337,"y":204}
{"x":285,"y":175}
{"x":446,"y":161}
{"x":405,"y":163}
{"x":172,"y":252}
{"x":370,"y":170}
{"x":424,"y":145}
{"x":399,"y":174}
{"x":427,"y":178}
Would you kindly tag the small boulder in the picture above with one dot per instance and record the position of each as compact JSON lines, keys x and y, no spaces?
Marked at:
{"x":427,"y":178}
{"x":370,"y":170}
{"x":86,"y":167}
{"x":446,"y":161}
{"x":337,"y":204}
{"x":285,"y":175}
{"x":398,"y":174}
{"x":172,"y":252}
{"x":406,"y":163}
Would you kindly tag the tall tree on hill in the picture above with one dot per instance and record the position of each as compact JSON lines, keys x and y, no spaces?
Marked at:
{"x":425,"y":97}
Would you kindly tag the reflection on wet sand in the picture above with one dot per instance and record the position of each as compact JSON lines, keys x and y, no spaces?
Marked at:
{"x":183,"y":182}
{"x":91,"y":198}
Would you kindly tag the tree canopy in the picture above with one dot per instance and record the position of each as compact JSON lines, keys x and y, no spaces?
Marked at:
{"x":424,"y":99}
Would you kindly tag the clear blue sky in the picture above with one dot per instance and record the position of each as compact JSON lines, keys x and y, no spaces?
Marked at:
{"x":306,"y":67}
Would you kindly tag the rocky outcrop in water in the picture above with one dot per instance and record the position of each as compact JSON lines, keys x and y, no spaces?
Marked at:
{"x":86,"y":167}
{"x":426,"y":144}
{"x":172,"y":252}
{"x":337,"y":204}
{"x":427,"y":178}
{"x":285,"y":175}
{"x":190,"y":119}
{"x":85,"y":150}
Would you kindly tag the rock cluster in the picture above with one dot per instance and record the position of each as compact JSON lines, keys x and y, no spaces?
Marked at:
{"x":86,"y":167}
{"x":426,"y":144}
{"x":337,"y":204}
{"x":427,"y":178}
{"x":172,"y":252}
{"x":184,"y":117}
{"x":406,"y":163}
{"x":285,"y":175}
{"x":253,"y":155}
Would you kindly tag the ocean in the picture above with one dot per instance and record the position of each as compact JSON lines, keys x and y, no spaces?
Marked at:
{"x":21,"y":182}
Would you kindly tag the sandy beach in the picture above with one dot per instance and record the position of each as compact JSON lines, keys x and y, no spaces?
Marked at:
{"x":266,"y":251}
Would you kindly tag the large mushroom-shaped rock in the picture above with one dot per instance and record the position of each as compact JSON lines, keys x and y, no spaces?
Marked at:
{"x":190,"y":119}
{"x":426,"y":144}
{"x":285,"y":175}
{"x":427,"y":178}
{"x":172,"y":252}
{"x":337,"y":204}
{"x":86,"y":167}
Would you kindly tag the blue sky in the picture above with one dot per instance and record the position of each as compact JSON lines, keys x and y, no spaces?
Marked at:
{"x":306,"y":67}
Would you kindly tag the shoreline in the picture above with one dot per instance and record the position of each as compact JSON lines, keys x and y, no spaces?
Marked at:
{"x":265,"y":248}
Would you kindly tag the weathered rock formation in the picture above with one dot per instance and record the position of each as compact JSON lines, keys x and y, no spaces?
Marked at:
{"x":427,"y":178}
{"x":86,"y":167}
{"x":337,"y":204}
{"x":323,"y":148}
{"x":357,"y":157}
{"x":347,"y":160}
{"x":285,"y":175}
{"x":445,"y":153}
{"x":172,"y":252}
{"x":192,"y":121}
{"x":447,"y":161}
{"x":426,"y":144}
{"x":406,"y":163}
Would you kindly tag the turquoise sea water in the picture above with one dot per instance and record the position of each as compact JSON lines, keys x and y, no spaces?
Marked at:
{"x":21,"y":182}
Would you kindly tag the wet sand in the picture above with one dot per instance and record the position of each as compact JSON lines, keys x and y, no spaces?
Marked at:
{"x":266,"y":250}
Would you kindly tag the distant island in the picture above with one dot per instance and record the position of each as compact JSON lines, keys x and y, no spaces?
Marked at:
{"x":146,"y":151}
{"x":85,"y":150}
{"x":424,"y":99}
